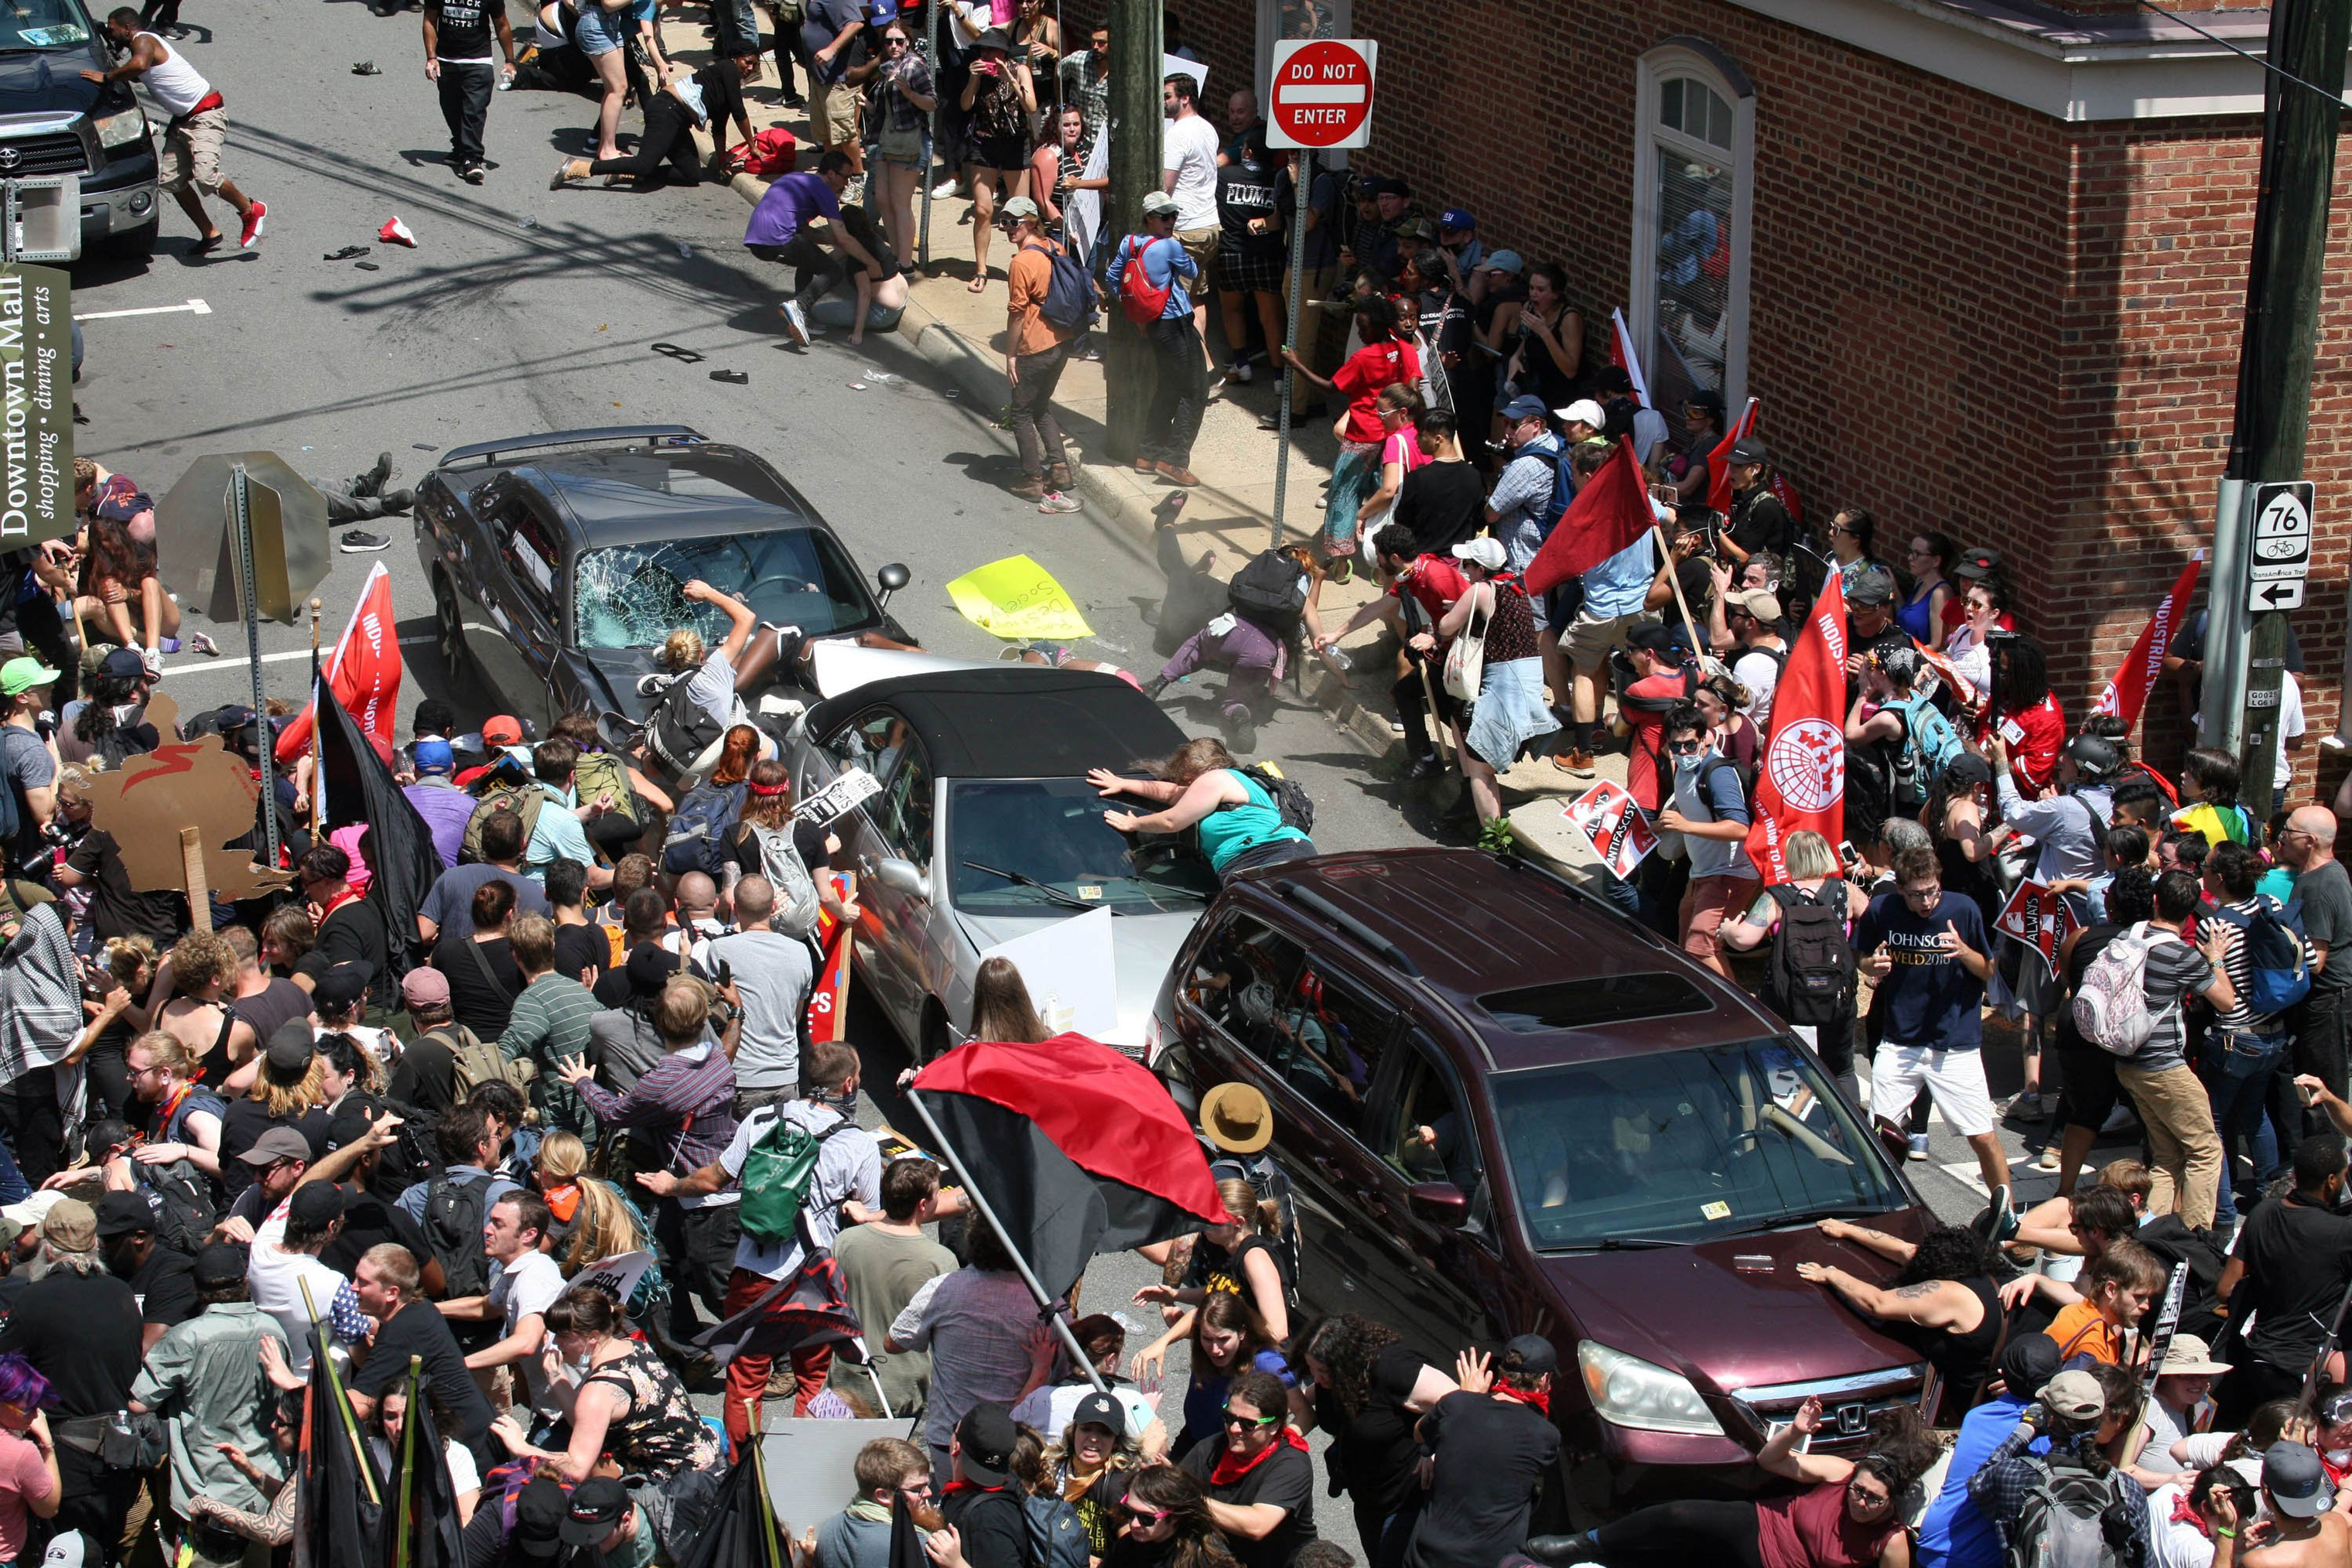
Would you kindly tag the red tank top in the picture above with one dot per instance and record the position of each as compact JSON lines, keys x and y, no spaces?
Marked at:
{"x":1811,"y":1530}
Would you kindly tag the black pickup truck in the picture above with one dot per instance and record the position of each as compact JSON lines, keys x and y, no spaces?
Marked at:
{"x":54,"y":121}
{"x":557,"y":562}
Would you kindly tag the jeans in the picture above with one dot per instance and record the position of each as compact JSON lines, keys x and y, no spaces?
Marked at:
{"x":1247,"y":654}
{"x":738,"y":29}
{"x":2317,"y":1025}
{"x":466,"y":104}
{"x":697,"y":1246}
{"x":669,"y":136}
{"x":2236,"y":1070}
{"x":1034,"y":427}
{"x":1179,"y":391}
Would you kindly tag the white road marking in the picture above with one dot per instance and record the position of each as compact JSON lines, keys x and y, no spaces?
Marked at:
{"x":192,"y":308}
{"x":1969,"y":1174}
{"x":200,"y":664}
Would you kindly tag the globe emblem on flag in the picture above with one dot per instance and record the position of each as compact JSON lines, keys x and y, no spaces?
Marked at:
{"x":1807,"y":765}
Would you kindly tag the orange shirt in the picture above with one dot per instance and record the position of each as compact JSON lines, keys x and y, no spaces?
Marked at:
{"x":1027,"y":281}
{"x":2081,"y":1331}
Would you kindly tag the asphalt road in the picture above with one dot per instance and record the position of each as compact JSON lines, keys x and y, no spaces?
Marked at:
{"x":525,"y":311}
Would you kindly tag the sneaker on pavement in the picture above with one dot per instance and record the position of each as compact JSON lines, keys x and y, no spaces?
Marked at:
{"x":2047,"y":1160}
{"x":473,"y":173}
{"x":944,"y":189}
{"x":359,"y":542}
{"x":795,"y":321}
{"x":1576,"y":762}
{"x":1239,"y":370}
{"x":254,"y":217}
{"x":1919,"y":1145}
{"x":1056,"y":501}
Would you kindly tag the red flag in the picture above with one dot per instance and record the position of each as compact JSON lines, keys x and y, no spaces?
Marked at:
{"x":1801,"y":782}
{"x":364,"y":674}
{"x":2127,"y":694}
{"x":2040,"y":921}
{"x":1609,"y":514}
{"x":1622,"y":355}
{"x":829,"y":997}
{"x":1718,"y":469}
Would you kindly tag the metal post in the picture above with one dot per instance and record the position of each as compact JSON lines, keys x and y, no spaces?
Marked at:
{"x":1302,"y":176}
{"x":1078,"y":1355}
{"x":930,"y":127}
{"x":241,"y":525}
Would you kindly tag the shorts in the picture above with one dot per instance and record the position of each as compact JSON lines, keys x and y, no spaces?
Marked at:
{"x":1588,"y":639}
{"x":1708,"y":903}
{"x":1201,"y":244}
{"x":1246,"y":269}
{"x":1955,"y":1077}
{"x":833,"y":115}
{"x":2087,"y":1080}
{"x":598,"y":31}
{"x":1008,"y":155}
{"x":192,"y":150}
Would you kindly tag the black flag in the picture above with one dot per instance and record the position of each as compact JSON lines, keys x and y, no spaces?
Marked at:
{"x":435,"y":1538}
{"x":341,"y":1514}
{"x":401,"y":862}
{"x":740,"y":1530}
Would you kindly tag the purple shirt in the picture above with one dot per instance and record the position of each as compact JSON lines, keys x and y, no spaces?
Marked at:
{"x":445,"y":812}
{"x":790,"y":202}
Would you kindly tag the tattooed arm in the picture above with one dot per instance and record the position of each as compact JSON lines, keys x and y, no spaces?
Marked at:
{"x":1894,"y":1249}
{"x":1931,"y":1303}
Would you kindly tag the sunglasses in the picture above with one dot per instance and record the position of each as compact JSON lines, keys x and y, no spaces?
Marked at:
{"x":1235,"y":1418}
{"x":1685,"y":747}
{"x":1138,"y":1511}
{"x":1855,"y":1490}
{"x":890,"y":38}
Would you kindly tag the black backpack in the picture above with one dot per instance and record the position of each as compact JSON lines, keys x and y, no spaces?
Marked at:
{"x":181,"y":1199}
{"x":1810,"y":980}
{"x":1290,"y":798}
{"x":454,"y":1212}
{"x":682,"y":729}
{"x":1270,"y":592}
{"x":1617,"y":419}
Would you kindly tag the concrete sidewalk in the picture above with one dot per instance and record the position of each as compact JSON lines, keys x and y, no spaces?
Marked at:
{"x":1230,"y":512}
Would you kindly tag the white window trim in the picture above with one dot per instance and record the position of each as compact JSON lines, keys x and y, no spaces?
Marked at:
{"x":1688,"y":58}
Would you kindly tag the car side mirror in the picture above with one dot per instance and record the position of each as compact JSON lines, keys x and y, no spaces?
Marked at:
{"x":1439,"y":1202}
{"x":890,"y":580}
{"x":901,"y":878}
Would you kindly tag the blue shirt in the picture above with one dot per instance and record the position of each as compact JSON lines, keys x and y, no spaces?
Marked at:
{"x":1619,"y":585}
{"x":1165,"y":265}
{"x":1952,"y":1533}
{"x":789,"y":205}
{"x":1928,"y":998}
{"x":556,"y":836}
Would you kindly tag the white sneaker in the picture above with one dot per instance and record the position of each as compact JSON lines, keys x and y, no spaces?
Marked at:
{"x":944,"y":189}
{"x":795,"y":322}
{"x":1059,"y":501}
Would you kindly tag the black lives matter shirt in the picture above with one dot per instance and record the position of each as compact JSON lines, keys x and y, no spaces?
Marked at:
{"x":461,"y":31}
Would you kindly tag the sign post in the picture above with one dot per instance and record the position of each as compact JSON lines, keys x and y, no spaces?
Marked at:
{"x":1321,"y":99}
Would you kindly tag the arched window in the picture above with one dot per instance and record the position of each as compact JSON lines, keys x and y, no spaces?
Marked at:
{"x":1692,"y":164}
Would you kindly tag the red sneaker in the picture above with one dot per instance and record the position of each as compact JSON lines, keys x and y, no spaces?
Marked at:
{"x":253,"y":214}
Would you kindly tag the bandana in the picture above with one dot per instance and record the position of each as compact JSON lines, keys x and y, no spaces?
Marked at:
{"x":1538,"y":1398}
{"x":769,"y":788}
{"x":1229,"y":1469}
{"x":2184,"y":1514}
{"x":563,"y":1201}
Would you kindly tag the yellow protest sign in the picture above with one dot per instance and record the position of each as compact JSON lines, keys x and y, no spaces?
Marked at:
{"x":1016,"y":598}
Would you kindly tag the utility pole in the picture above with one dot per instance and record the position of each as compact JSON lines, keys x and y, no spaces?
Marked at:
{"x":2244,"y":650}
{"x":1138,"y":65}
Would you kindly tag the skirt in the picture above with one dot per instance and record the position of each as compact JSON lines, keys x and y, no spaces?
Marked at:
{"x":1510,"y":711}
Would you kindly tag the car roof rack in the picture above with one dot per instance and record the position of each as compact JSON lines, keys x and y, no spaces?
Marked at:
{"x":1308,"y":899}
{"x":489,"y":452}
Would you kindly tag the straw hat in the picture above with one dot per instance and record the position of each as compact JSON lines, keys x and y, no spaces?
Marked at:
{"x":1236,"y":1118}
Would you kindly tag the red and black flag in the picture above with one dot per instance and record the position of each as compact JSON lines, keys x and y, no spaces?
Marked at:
{"x":1077,"y":1147}
{"x":809,"y":1308}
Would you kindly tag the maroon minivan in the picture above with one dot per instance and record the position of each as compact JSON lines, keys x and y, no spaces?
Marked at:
{"x":1508,"y":1109}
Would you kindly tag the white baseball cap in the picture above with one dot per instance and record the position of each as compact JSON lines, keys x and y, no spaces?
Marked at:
{"x":1584,"y":411}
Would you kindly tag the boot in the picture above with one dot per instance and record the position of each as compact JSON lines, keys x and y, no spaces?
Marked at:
{"x":373,"y":482}
{"x":1560,"y":1549}
{"x":1154,"y":686}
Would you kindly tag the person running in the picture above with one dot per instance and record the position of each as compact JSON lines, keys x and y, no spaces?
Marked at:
{"x":192,"y":137}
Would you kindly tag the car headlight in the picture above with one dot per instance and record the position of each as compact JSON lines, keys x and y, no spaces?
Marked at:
{"x":121,"y":129}
{"x":1631,"y":1392}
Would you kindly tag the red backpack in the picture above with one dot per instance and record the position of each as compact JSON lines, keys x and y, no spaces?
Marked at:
{"x":765,"y":156}
{"x":1142,"y":299}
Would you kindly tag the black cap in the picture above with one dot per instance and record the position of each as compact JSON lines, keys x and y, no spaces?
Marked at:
{"x":540,"y":1509}
{"x":1387,"y":185}
{"x":121,"y":1213}
{"x":342,"y":986}
{"x":220,"y":1264}
{"x":1977,"y":563}
{"x":1655,"y":638}
{"x":291,"y":1046}
{"x":1747,"y":449}
{"x":2028,"y":1362}
{"x":1100,"y":1409}
{"x":315,"y":1206}
{"x":1870,"y":587}
{"x":985,"y":1437}
{"x":1614,"y":379}
{"x":597,"y":1505}
{"x":1966,"y":771}
{"x":1530,"y":1355}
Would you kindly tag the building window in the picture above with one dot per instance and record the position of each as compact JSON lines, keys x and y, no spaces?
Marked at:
{"x":1691,"y":197}
{"x":1281,"y":19}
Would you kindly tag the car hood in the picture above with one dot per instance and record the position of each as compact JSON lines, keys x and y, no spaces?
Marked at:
{"x":46,"y":83}
{"x":1141,"y":945}
{"x":615,"y":671}
{"x":843,"y":666}
{"x":1729,"y":1314}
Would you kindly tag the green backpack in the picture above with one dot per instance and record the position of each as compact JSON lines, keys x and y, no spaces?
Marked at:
{"x":778,"y":1174}
{"x":523,"y":799}
{"x":599,"y":773}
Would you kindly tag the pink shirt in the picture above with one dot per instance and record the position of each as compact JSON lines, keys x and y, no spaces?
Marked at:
{"x":22,"y":1479}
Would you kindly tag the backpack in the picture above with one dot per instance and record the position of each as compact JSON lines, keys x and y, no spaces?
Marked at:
{"x":454,"y":1212}
{"x":1929,"y":745}
{"x":690,"y":843}
{"x":474,"y":1062}
{"x":2072,"y":1518}
{"x":2111,"y":1004}
{"x":523,"y":799}
{"x":1548,"y":511}
{"x":11,"y":808}
{"x":2278,"y":954}
{"x":1617,"y":419}
{"x":1812,"y":977}
{"x":1053,"y":1538}
{"x":681,"y":730}
{"x":1142,"y":299}
{"x":1269,"y":592}
{"x":602,"y":773}
{"x":182,"y":1200}
{"x":796,"y":899}
{"x":778,"y":1176}
{"x":1869,"y":789}
{"x":1070,"y":302}
{"x":1290,"y":798}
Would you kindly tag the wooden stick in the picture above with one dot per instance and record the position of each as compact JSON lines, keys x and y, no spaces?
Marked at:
{"x":1438,"y":723}
{"x":1698,"y":645}
{"x":405,"y":1527}
{"x":192,"y":873}
{"x":342,"y":1405}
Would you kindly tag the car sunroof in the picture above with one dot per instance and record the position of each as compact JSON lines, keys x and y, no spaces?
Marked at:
{"x":1585,"y":1004}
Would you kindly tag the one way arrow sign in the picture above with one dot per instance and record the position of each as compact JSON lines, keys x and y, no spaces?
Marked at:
{"x":2274,"y":595}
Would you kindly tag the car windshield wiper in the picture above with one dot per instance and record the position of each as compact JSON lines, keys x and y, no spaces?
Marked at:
{"x":1808,"y":1216}
{"x":1024,"y":880}
{"x":1620,"y":1244}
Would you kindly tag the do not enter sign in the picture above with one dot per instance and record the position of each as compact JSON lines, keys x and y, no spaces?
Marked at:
{"x":1322,"y":93}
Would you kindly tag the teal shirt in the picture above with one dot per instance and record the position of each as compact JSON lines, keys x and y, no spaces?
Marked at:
{"x":205,"y":1376}
{"x":1231,"y":830}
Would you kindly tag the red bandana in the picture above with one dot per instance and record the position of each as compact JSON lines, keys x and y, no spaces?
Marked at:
{"x":1229,"y":1469}
{"x":2184,"y":1514}
{"x":1540,"y":1397}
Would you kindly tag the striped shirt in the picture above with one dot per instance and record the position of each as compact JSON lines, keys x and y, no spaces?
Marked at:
{"x":681,"y":1113}
{"x":550,"y":1022}
{"x":2238,"y":963}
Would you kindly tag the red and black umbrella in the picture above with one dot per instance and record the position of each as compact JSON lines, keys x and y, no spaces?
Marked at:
{"x":1075,"y":1147}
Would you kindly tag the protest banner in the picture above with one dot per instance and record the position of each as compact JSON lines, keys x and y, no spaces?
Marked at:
{"x":1617,"y":830}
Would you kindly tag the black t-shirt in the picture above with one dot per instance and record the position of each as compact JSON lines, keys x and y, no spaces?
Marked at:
{"x":722,"y":96}
{"x":1245,"y":191}
{"x":1443,"y":504}
{"x":1284,"y":1479}
{"x":427,"y":1077}
{"x":2297,"y":1259}
{"x":368,"y":1220}
{"x":462,"y":29}
{"x":582,"y":952}
{"x":115,"y":910}
{"x":242,"y":1124}
{"x":1373,"y":1451}
{"x":81,"y":1332}
{"x":743,"y":848}
{"x":994,"y":1531}
{"x":353,"y":933}
{"x":418,"y":1329}
{"x":483,"y":1002}
{"x":1492,"y":1455}
{"x":1758,"y":521}
{"x":166,"y":1286}
{"x":12,"y":1287}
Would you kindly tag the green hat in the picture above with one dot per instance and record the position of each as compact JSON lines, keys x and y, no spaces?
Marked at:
{"x":20,"y":675}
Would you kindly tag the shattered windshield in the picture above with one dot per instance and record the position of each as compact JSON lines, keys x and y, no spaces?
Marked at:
{"x":633,"y":596}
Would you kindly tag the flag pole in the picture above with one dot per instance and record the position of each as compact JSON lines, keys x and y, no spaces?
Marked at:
{"x":343,"y":1402}
{"x":402,"y":1525}
{"x":939,"y":1141}
{"x":318,"y":758}
{"x":767,"y":1504}
{"x":1698,"y":648}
